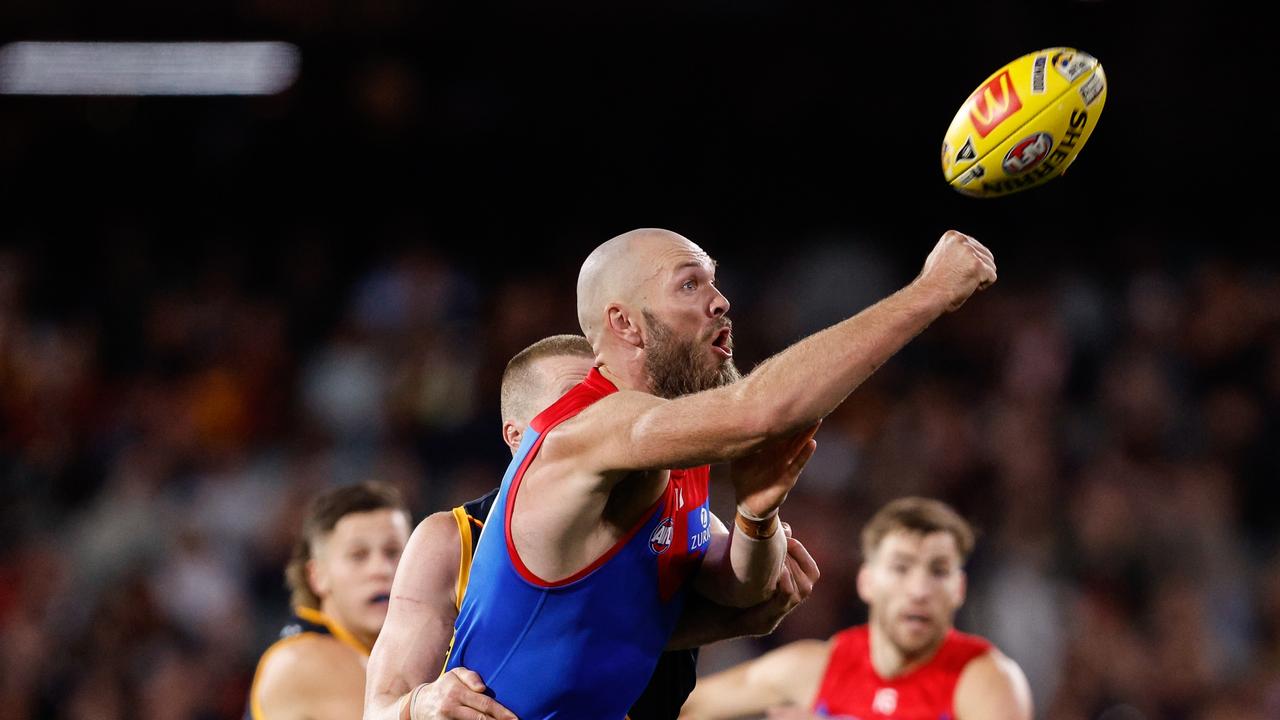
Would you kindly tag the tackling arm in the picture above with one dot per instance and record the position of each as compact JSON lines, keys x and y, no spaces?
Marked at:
{"x":704,"y":622}
{"x":414,"y":641}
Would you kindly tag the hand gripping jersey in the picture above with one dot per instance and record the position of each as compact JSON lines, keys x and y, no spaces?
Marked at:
{"x":585,"y":646}
{"x":851,"y":687}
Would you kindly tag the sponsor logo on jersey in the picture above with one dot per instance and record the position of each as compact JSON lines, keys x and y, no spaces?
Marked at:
{"x":660,"y":538}
{"x":993,"y":103}
{"x":699,"y":528}
{"x":1028,"y":153}
{"x":885,"y":701}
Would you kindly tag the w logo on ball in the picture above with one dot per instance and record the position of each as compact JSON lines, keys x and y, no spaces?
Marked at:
{"x":660,"y":539}
{"x":993,"y":103}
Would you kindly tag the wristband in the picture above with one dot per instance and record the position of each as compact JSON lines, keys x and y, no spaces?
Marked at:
{"x":756,"y":518}
{"x":406,"y":703}
{"x":757,"y":528}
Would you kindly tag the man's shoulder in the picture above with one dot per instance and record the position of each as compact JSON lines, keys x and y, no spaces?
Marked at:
{"x":993,"y":685}
{"x":303,"y":662}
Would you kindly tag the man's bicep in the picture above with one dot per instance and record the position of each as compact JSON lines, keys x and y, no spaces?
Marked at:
{"x":754,"y":686}
{"x":794,"y":671}
{"x":630,"y":431}
{"x":415,"y":637}
{"x":429,"y":565}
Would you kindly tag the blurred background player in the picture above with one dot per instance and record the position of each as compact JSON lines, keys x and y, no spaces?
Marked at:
{"x":340,"y":577}
{"x":434,"y":579}
{"x":908,"y":661}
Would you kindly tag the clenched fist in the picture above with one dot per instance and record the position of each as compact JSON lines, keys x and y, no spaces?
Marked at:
{"x":957,"y":267}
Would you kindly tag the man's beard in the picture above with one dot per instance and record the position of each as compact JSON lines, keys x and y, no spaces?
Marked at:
{"x":909,"y":651}
{"x":677,"y":367}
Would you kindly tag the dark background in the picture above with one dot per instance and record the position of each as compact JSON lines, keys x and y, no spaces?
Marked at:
{"x":211,"y":308}
{"x":538,"y":130}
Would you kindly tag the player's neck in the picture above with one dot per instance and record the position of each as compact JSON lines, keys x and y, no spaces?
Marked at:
{"x":346,"y":634}
{"x":890,"y":661}
{"x":624,"y":377}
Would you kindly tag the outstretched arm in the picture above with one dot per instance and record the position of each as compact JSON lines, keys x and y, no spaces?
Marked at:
{"x":790,"y":674}
{"x":415,"y":638}
{"x":635,"y":431}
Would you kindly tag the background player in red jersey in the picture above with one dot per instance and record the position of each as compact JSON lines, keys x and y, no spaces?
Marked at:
{"x":907,"y":662}
{"x":433,"y":579}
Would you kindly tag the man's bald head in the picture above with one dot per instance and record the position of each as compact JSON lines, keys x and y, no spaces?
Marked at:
{"x":620,"y":271}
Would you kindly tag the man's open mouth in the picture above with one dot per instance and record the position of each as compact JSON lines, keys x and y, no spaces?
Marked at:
{"x":723,"y":341}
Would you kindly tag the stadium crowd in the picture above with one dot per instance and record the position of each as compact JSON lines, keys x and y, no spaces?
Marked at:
{"x":1115,"y":443}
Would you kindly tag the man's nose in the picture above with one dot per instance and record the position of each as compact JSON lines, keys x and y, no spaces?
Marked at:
{"x":719,"y":303}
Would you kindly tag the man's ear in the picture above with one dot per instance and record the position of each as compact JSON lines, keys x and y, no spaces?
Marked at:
{"x":512,"y":433}
{"x":864,"y":583}
{"x":317,"y":579}
{"x":623,"y":326}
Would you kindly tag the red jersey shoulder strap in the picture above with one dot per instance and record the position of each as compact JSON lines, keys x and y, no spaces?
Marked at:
{"x":848,"y":658}
{"x":850,"y":642}
{"x":958,"y":650}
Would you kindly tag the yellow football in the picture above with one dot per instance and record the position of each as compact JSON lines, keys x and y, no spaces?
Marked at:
{"x":1026,"y":124}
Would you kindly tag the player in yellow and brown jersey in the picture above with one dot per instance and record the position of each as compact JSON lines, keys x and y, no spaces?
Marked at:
{"x":340,"y":577}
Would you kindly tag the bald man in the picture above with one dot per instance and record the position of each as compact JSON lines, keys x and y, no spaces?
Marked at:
{"x":601,"y":522}
{"x":433,"y":577}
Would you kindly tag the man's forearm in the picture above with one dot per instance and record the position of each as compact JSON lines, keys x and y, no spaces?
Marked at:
{"x":749,"y":570}
{"x":385,"y":696}
{"x":703,"y":622}
{"x":383,"y":706}
{"x":811,"y":378}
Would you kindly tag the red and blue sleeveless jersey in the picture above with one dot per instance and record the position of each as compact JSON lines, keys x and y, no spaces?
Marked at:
{"x":851,"y":687}
{"x":585,"y":646}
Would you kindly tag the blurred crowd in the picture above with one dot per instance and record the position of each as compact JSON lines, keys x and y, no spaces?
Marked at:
{"x":1115,"y":442}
